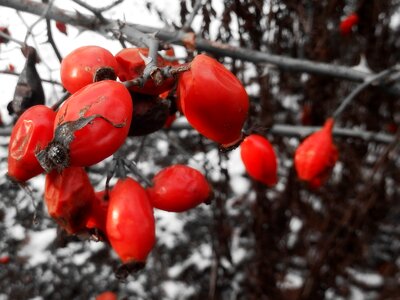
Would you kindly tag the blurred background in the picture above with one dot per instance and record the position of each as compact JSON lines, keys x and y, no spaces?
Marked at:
{"x":340,"y":241}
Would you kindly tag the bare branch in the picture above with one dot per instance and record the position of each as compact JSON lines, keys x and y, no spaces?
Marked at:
{"x":189,"y":20}
{"x":110,"y":6}
{"x":18,"y":74}
{"x":10,"y":38}
{"x":360,"y":88}
{"x":42,"y":16}
{"x":216,"y":48}
{"x":95,"y":11}
{"x":56,"y":105}
{"x":51,"y":41}
{"x":303,"y":131}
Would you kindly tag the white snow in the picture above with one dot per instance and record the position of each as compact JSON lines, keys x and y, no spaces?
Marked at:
{"x":162,"y":147}
{"x":371,"y":279}
{"x":80,"y":259}
{"x":240,"y":185}
{"x":35,"y":248}
{"x":17,"y":232}
{"x":169,"y":228}
{"x":295,"y":224}
{"x":177,"y":290}
{"x":292,"y":281}
{"x":201,"y":258}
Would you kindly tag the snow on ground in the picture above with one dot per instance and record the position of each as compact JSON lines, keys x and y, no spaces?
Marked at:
{"x":201,"y":258}
{"x":292,"y":281}
{"x":35,"y":248}
{"x":177,"y":290}
{"x":239,"y":184}
{"x":370,"y":279}
{"x":169,"y":228}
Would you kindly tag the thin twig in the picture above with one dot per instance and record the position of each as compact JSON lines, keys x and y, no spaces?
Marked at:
{"x":51,"y":40}
{"x":18,"y":74}
{"x":110,"y":6}
{"x":10,"y":38}
{"x":56,"y":105}
{"x":42,"y":16}
{"x":360,"y":88}
{"x":189,"y":20}
{"x":140,"y":149}
{"x":97,"y":11}
{"x":36,"y":46}
{"x":93,"y":10}
{"x":135,"y":170}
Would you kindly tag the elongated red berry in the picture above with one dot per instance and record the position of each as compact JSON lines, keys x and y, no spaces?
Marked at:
{"x":348,"y":23}
{"x":32,"y":132}
{"x":316,"y":156}
{"x":130,"y":223}
{"x":97,"y":215}
{"x":259,"y":159}
{"x":68,"y":196}
{"x":179,"y":188}
{"x":213,"y":100}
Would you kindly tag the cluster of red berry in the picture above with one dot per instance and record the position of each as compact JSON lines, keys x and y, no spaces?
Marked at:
{"x":94,"y":122}
{"x":314,"y":158}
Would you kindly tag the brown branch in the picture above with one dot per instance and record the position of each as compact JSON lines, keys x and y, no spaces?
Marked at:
{"x":216,"y":48}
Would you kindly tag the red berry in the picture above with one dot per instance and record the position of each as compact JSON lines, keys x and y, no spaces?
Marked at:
{"x":32,"y":132}
{"x":79,"y":67}
{"x":316,"y":156}
{"x":104,"y":135}
{"x":97,"y":215}
{"x":4,"y":259}
{"x":179,"y":188}
{"x":130,"y":221}
{"x":68,"y":196}
{"x":131,"y":65}
{"x":213,"y":100}
{"x":348,"y":23}
{"x":108,"y":295}
{"x":169,"y":121}
{"x":259,"y":159}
